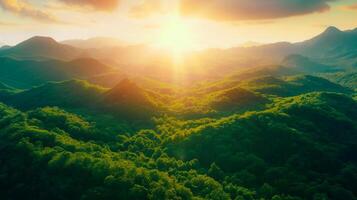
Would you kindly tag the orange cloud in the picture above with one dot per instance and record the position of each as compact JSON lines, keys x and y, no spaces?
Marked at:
{"x":102,"y":5}
{"x":350,"y":7}
{"x":147,"y":8}
{"x":22,"y":8}
{"x":232,"y":10}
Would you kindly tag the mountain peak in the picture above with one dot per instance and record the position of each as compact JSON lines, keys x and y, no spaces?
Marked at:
{"x":40,"y":48}
{"x":125,"y":85}
{"x":326,"y":38}
{"x":332,"y":29}
{"x":38,"y":40}
{"x":127,"y":92}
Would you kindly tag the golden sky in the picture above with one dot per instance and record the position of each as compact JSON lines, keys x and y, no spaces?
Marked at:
{"x":201,"y":23}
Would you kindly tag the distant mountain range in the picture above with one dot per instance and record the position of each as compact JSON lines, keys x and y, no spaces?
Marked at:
{"x":250,"y":44}
{"x":331,"y":50}
{"x":96,"y":42}
{"x":331,"y":43}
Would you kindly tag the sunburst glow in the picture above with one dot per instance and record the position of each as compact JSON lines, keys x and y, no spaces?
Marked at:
{"x":175,"y":35}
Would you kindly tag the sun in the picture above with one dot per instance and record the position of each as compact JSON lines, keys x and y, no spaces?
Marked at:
{"x":175,"y":36}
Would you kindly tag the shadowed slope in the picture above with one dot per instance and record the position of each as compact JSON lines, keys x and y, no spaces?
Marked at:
{"x":294,"y":85}
{"x":28,"y":73}
{"x":42,"y":48}
{"x":129,"y":100}
{"x":68,"y":94}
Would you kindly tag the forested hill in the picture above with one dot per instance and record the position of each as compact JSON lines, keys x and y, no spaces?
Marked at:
{"x":269,"y":122}
{"x":299,"y":147}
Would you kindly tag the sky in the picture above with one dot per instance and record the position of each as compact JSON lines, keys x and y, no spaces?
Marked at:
{"x":196,"y":24}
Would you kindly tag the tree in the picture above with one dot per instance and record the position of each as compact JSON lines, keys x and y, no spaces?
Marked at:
{"x":215,"y":172}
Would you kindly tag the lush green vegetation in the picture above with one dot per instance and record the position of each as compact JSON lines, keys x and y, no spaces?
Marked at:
{"x":292,"y":145}
{"x":285,"y":131}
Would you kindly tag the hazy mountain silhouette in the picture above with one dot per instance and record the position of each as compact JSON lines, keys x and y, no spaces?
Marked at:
{"x":28,"y":73}
{"x":250,"y":44}
{"x":331,"y":47}
{"x":96,"y":42}
{"x":42,"y":48}
{"x":335,"y":47}
{"x":331,"y":43}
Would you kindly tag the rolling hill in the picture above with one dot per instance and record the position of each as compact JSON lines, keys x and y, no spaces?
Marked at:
{"x":294,"y":85}
{"x":235,"y":99}
{"x":28,"y":73}
{"x":126,"y":100}
{"x":347,"y":79}
{"x":67,"y":94}
{"x":261,"y":71}
{"x":305,"y":137}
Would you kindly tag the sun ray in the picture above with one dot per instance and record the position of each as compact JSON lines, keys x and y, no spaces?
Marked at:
{"x":176,"y":38}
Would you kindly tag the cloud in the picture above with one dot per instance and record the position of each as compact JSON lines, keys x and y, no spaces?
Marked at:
{"x":2,"y":23}
{"x":233,"y":10}
{"x":101,"y":5}
{"x":24,"y":9}
{"x":147,"y":8}
{"x":350,"y":7}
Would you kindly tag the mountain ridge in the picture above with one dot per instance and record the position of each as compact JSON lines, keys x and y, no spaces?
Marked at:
{"x":27,"y":73}
{"x":41,"y":48}
{"x":95,"y":42}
